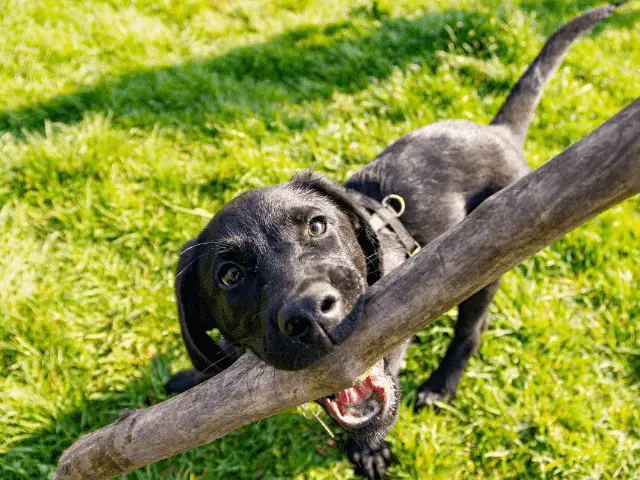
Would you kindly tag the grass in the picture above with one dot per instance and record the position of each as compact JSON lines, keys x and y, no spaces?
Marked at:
{"x":123,"y":123}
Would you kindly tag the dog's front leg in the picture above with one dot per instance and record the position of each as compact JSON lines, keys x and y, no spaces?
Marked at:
{"x":370,"y":458}
{"x":442,"y":385}
{"x":187,"y":379}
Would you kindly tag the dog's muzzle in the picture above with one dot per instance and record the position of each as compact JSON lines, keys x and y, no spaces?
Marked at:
{"x":312,"y":315}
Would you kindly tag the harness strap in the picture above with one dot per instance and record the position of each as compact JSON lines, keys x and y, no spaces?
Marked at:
{"x":384,"y":214}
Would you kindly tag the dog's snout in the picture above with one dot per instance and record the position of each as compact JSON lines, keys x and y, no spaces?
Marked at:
{"x":311,"y":314}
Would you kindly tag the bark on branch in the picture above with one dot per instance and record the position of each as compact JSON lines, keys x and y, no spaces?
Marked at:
{"x":597,"y":172}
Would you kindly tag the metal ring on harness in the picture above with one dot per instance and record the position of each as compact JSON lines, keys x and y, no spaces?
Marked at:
{"x":397,"y":198}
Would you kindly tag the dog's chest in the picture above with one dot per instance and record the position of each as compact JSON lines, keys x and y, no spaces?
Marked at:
{"x":393,"y":253}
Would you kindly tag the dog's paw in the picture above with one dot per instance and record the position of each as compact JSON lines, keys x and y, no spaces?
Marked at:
{"x":370,"y":459}
{"x":431,"y":393}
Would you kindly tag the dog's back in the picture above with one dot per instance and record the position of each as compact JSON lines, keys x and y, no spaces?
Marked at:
{"x":443,"y":171}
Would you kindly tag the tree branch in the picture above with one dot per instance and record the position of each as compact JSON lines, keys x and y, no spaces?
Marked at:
{"x":597,"y":172}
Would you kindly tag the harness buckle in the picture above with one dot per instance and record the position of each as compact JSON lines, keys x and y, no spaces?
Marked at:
{"x":386,"y":203}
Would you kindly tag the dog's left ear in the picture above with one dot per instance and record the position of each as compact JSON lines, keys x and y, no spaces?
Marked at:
{"x":337,"y":193}
{"x":206,"y":355}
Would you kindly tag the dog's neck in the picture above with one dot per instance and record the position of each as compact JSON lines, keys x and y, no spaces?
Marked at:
{"x":396,"y":243}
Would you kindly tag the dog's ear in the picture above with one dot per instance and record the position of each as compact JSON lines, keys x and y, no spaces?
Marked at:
{"x":194,"y":322}
{"x":367,"y":238}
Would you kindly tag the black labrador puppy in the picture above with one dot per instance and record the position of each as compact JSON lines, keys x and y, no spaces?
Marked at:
{"x":279,"y":269}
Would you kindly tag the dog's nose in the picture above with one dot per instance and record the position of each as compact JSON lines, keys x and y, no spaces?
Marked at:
{"x":310,"y":315}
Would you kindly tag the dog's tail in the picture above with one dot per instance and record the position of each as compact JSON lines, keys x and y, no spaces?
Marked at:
{"x":517,"y":110}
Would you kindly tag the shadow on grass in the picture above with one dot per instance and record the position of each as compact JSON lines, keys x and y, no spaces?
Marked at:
{"x":302,"y":65}
{"x":280,"y":446}
{"x":634,"y":364}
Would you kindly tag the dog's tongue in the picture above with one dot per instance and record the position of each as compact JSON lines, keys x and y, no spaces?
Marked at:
{"x":356,"y":394}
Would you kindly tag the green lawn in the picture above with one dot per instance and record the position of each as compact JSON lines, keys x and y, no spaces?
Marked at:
{"x":123,"y":124}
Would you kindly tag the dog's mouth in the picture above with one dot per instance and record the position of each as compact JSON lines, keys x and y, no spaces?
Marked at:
{"x":364,"y":404}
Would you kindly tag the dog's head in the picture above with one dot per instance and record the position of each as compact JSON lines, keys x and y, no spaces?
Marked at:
{"x":280,"y":271}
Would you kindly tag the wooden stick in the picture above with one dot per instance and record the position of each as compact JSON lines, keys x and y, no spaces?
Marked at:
{"x":597,"y":172}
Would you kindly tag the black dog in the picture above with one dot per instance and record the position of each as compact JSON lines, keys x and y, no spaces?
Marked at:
{"x":280,"y":268}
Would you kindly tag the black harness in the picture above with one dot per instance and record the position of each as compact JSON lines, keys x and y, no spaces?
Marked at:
{"x":380,"y":215}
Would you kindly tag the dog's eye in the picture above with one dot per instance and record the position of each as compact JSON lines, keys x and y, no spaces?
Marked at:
{"x":230,"y":274}
{"x":316,"y":227}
